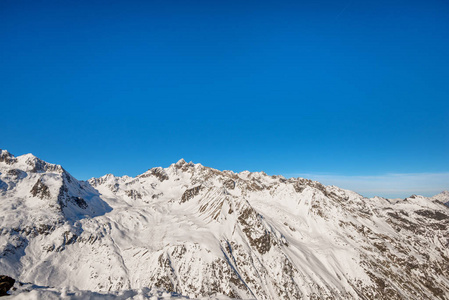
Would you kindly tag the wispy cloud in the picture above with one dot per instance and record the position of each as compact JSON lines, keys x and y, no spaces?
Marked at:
{"x":388,"y":185}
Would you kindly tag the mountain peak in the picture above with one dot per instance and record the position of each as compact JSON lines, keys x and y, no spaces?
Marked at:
{"x":442,"y":197}
{"x":7,"y":157}
{"x":37,"y":165}
{"x":4,"y":152}
{"x":199,"y":231}
{"x":180,"y":162}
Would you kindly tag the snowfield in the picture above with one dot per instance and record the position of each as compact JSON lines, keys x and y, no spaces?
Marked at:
{"x":189,"y":231}
{"x":33,"y":292}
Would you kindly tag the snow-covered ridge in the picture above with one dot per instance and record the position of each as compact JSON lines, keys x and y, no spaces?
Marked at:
{"x":443,"y":197}
{"x":197,"y":231}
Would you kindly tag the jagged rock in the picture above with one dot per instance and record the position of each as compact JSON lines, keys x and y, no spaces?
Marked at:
{"x":6,"y":283}
{"x":64,"y":198}
{"x":16,"y":172}
{"x":190,"y":193}
{"x":40,"y":190}
{"x":258,"y":236}
{"x":7,"y":157}
{"x":229,"y":184}
{"x":158,"y":172}
{"x":79,"y":201}
{"x":133,"y":194}
{"x":39,"y":166}
{"x":433,"y":214}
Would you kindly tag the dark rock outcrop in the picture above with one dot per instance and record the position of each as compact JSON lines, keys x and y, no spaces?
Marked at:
{"x":39,"y":166}
{"x":190,"y":193}
{"x":6,"y":283}
{"x":40,"y":190}
{"x":64,"y":197}
{"x":229,"y":184}
{"x":7,"y":157}
{"x":158,"y":172}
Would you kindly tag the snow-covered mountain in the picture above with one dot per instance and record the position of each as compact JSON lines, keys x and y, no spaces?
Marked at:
{"x":198,"y":232}
{"x":443,"y":197}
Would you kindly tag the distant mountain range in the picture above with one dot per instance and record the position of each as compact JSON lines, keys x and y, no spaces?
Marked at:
{"x":193,"y":231}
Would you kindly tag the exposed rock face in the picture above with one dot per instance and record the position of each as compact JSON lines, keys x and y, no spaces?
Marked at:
{"x":158,"y":172}
{"x":190,"y":193}
{"x":6,"y":157}
{"x":64,"y":197}
{"x":133,"y":194}
{"x":16,"y":173}
{"x":6,"y":283}
{"x":197,"y":231}
{"x":40,"y":190}
{"x":37,"y":165}
{"x":256,"y":233}
{"x":229,"y":184}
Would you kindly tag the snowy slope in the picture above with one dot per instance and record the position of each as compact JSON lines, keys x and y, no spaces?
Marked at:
{"x":443,"y":197}
{"x":34,"y":292}
{"x":198,"y":232}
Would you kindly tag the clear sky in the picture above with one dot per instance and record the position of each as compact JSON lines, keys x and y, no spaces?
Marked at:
{"x":340,"y":91}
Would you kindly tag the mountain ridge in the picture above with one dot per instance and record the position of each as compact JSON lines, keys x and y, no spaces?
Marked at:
{"x":198,"y":231}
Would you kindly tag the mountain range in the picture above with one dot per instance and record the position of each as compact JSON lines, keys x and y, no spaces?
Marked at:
{"x":193,"y":231}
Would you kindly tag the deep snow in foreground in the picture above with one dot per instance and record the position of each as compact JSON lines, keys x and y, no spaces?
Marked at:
{"x":198,"y":232}
{"x":33,"y":292}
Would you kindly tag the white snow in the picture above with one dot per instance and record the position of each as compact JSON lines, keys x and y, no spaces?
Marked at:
{"x":138,"y":233}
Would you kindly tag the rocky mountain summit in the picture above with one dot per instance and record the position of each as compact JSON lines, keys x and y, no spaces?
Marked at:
{"x":196,"y":231}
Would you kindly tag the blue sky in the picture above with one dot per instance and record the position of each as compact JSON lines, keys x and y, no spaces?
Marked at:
{"x":348,"y":90}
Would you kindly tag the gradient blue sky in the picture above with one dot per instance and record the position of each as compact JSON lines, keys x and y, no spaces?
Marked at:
{"x":343,"y":89}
